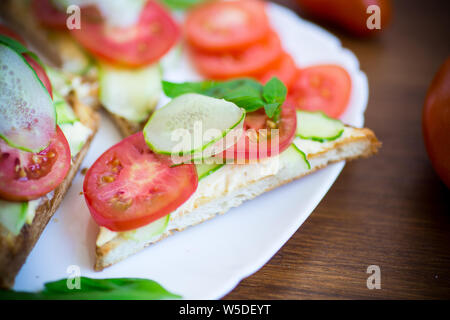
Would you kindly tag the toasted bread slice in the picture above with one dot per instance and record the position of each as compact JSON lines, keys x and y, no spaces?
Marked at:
{"x":18,"y":14}
{"x":113,"y":247}
{"x":14,"y":249}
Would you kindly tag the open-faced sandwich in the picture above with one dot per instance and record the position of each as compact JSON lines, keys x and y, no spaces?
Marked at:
{"x":213,"y":146}
{"x":116,"y":51}
{"x":45,"y":132}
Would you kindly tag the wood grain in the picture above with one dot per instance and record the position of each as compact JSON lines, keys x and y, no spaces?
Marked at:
{"x":390,"y":210}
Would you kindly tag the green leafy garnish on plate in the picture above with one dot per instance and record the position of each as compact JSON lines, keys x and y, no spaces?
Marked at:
{"x":182,"y":4}
{"x":95,"y":289}
{"x":244,"y":92}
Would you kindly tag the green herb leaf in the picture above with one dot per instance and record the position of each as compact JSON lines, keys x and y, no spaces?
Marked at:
{"x":274,"y":91}
{"x":173,"y":90}
{"x":182,"y":4}
{"x":271,"y":109}
{"x":245,"y":93}
{"x":96,"y":289}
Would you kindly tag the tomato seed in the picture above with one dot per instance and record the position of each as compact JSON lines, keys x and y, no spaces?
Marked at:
{"x":108,"y":179}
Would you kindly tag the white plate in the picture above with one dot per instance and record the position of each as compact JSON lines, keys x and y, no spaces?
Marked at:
{"x":209,"y":260}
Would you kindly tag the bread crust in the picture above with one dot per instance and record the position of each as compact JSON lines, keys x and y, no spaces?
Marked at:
{"x":127,"y":128}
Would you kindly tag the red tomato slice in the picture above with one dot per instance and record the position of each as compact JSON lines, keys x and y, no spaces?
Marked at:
{"x":324,"y":87}
{"x":27,"y":176}
{"x":144,"y":43}
{"x":249,"y":62}
{"x":129,"y":186}
{"x":256,"y":144}
{"x":227,"y":25}
{"x":48,"y":15}
{"x":9,"y":33}
{"x":285,"y":70}
{"x":42,"y":75}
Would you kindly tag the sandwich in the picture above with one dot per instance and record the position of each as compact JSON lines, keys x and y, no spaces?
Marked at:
{"x":45,"y":132}
{"x":166,"y":179}
{"x":116,"y":50}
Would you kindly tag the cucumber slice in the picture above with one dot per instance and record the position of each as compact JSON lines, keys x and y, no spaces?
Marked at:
{"x":204,"y":170}
{"x":204,"y":125}
{"x":64,"y":113}
{"x":76,"y":134}
{"x":131,"y":94}
{"x":318,"y":126}
{"x":149,"y":231}
{"x":295,"y":158}
{"x":27,"y":114}
{"x":13,"y":215}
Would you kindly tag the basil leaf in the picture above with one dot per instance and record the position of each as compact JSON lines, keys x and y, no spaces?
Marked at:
{"x":96,"y":289}
{"x":182,"y":4}
{"x":271,"y":109}
{"x":274,"y":91}
{"x":274,"y":94}
{"x":244,"y":92}
{"x":19,"y":48}
{"x":173,"y":90}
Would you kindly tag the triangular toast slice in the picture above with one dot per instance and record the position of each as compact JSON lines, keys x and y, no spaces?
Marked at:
{"x":233,"y":184}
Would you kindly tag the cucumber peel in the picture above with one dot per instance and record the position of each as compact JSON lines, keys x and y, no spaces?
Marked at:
{"x":27,"y":114}
{"x":204,"y":170}
{"x":294,"y":157}
{"x":318,"y":126}
{"x":64,"y":113}
{"x":205,"y":126}
{"x":149,"y":231}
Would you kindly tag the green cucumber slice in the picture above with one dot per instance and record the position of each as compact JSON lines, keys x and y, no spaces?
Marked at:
{"x":149,"y":231}
{"x":131,"y":94}
{"x":318,"y":126}
{"x":204,"y":170}
{"x":76,"y":134}
{"x":13,"y":215}
{"x":294,"y":157}
{"x":64,"y":113}
{"x":204,"y":125}
{"x":27,"y":114}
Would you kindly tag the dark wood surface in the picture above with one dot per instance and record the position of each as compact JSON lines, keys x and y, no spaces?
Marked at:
{"x":390,"y":210}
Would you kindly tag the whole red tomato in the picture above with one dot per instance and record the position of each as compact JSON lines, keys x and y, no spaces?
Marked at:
{"x":351,"y":15}
{"x":436,"y":122}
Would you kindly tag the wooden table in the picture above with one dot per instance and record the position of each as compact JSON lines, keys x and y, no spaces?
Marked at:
{"x":390,"y":210}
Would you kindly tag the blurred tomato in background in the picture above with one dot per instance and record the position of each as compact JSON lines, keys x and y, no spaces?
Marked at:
{"x":436,"y":122}
{"x":350,"y":15}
